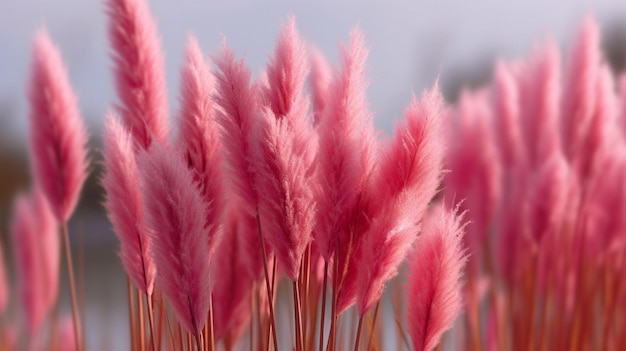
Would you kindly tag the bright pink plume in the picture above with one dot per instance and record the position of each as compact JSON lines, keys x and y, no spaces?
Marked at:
{"x":434,"y":283}
{"x":58,"y":137}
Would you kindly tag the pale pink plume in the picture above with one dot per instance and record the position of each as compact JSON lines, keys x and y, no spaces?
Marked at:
{"x":319,"y":81}
{"x":29,"y":264}
{"x":406,"y":180}
{"x":237,"y":109}
{"x":124,"y":204}
{"x":474,"y":182}
{"x":49,"y":241}
{"x":58,"y":138}
{"x":539,"y":100}
{"x":174,"y":217}
{"x":231,"y":295}
{"x":434,"y":283}
{"x":286,"y":199}
{"x":507,"y":116}
{"x":4,"y":283}
{"x":139,"y":70}
{"x":347,"y":145}
{"x":622,"y":103}
{"x":286,"y":72}
{"x":199,"y":137}
{"x":579,"y":96}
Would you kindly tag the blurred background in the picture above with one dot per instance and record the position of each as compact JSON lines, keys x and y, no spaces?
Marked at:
{"x":412,"y":44}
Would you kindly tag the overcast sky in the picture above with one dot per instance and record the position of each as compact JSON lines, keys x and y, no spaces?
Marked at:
{"x":411,"y":42}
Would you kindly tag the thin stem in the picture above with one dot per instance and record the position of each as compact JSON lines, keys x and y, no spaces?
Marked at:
{"x":252,"y":319}
{"x":131,"y":313}
{"x":297,"y":315}
{"x":267,"y":281}
{"x":142,"y":337}
{"x":211,"y":329}
{"x":199,"y":342}
{"x":369,"y":343}
{"x":70,"y":276}
{"x":358,"y":333}
{"x":321,"y":348}
{"x":151,"y":320}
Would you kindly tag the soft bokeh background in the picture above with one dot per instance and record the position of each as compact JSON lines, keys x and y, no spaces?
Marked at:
{"x":412,"y":44}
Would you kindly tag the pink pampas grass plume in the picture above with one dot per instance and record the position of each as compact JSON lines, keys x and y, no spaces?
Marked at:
{"x":434,"y":282}
{"x":124,"y":204}
{"x":579,"y":96}
{"x":32,"y":292}
{"x":347,"y":145}
{"x":237,"y":109}
{"x":139,"y":70}
{"x":175,"y":218}
{"x":57,"y":134}
{"x":474,"y":182}
{"x":539,"y":84}
{"x":408,"y":175}
{"x":286,"y":74}
{"x":199,"y":137}
{"x":286,"y":202}
{"x":231,"y":295}
{"x":319,"y":81}
{"x":507,"y":116}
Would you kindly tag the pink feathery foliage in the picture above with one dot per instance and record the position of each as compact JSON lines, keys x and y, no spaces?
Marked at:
{"x":199,"y":137}
{"x":29,"y":264}
{"x":319,"y":81}
{"x":237,"y":110}
{"x":139,"y":71}
{"x":347,"y":145}
{"x":287,"y":71}
{"x":475,"y":182}
{"x":175,"y":219}
{"x":124,"y":204}
{"x":58,"y":137}
{"x":231,"y":294}
{"x":434,"y":282}
{"x":286,"y":199}
{"x":539,"y":99}
{"x":406,"y":180}
{"x":579,"y":96}
{"x":4,"y":283}
{"x":49,"y":245}
{"x":507,"y":116}
{"x":237,"y":104}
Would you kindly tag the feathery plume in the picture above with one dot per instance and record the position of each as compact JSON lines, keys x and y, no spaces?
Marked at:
{"x":347,"y":145}
{"x":57,"y":134}
{"x":286,"y":206}
{"x":507,"y":115}
{"x":28,"y":262}
{"x":579,"y":96}
{"x":199,"y":137}
{"x":475,"y":182}
{"x":408,"y":175}
{"x":434,"y":287}
{"x":539,"y":98}
{"x":236,"y":114}
{"x":139,"y":71}
{"x":124,"y":204}
{"x":175,"y":219}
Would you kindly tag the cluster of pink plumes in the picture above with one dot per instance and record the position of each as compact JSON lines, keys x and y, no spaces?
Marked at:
{"x":277,"y":193}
